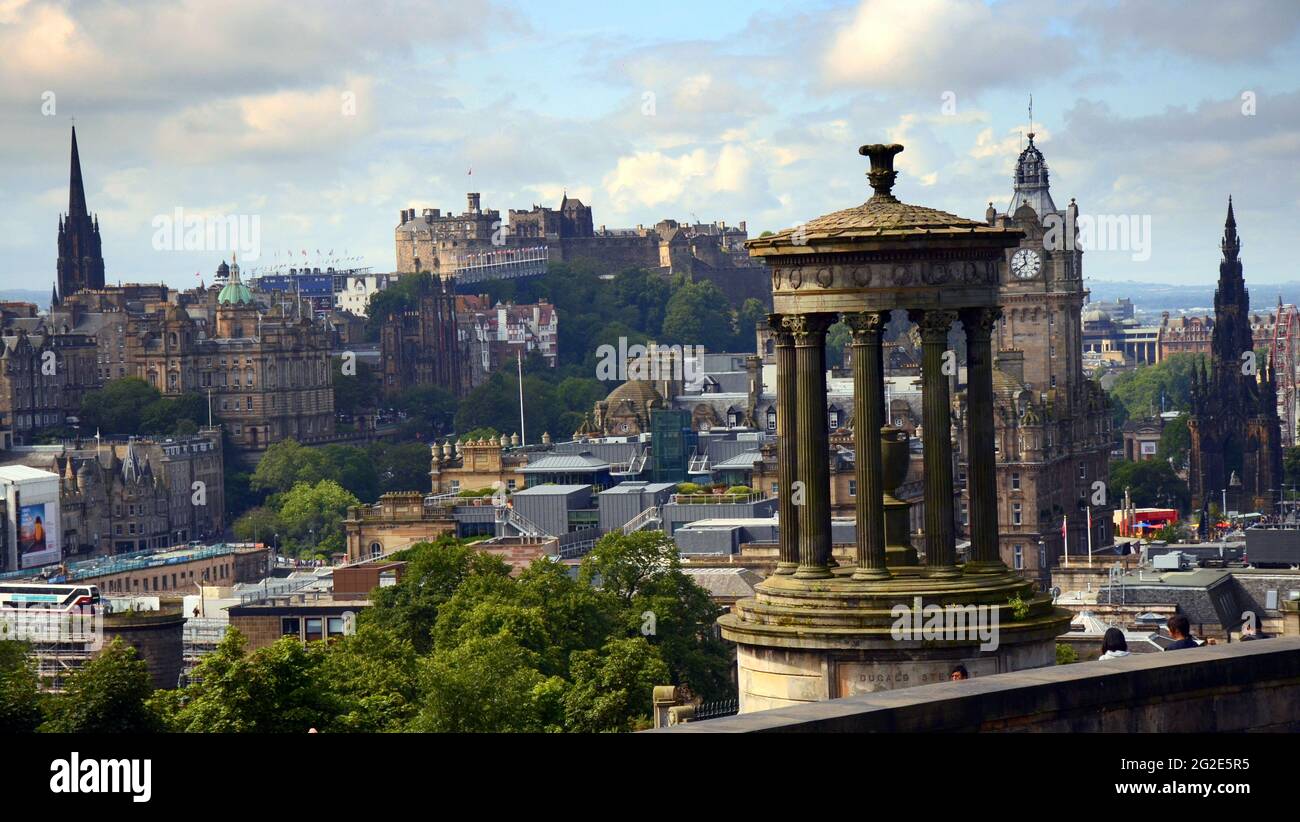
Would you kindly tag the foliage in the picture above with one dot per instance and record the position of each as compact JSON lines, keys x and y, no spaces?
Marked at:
{"x":1175,"y":442}
{"x":129,"y":406}
{"x":277,"y":689}
{"x":1137,"y":394}
{"x":1066,"y":655}
{"x":612,"y":688}
{"x":108,"y":695}
{"x":836,"y":338}
{"x":698,"y":314}
{"x":1291,"y":465}
{"x":20,"y":701}
{"x":308,"y":519}
{"x":1152,"y":484}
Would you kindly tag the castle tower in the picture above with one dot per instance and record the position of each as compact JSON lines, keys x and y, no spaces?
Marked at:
{"x":81,"y":260}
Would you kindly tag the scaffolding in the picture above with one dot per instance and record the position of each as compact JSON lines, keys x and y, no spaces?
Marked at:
{"x":1285,"y":332}
{"x":502,"y":264}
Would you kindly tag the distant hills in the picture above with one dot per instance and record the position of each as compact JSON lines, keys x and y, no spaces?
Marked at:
{"x":1165,"y":297}
{"x":22,"y":295}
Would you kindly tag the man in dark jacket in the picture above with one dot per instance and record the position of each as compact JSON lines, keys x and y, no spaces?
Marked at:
{"x":1181,"y":631}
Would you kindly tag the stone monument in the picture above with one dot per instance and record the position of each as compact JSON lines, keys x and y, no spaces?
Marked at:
{"x":891,"y":619}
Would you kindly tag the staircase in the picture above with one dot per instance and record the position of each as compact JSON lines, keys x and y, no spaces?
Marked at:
{"x":650,"y":517}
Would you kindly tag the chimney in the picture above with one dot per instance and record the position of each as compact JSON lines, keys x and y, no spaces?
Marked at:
{"x":473,"y":202}
{"x":401,"y":217}
{"x":742,"y":225}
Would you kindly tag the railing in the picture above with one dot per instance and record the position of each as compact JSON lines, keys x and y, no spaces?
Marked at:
{"x":716,"y":709}
{"x":578,"y":548}
{"x":704,"y":498}
{"x":516,"y":520}
{"x":638,"y":522}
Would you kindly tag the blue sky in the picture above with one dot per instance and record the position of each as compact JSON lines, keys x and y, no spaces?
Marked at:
{"x":716,"y":111}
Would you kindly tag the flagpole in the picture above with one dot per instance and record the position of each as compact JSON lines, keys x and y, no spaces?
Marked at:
{"x":1089,"y":536}
{"x":1065,"y":536}
{"x":523,"y":434}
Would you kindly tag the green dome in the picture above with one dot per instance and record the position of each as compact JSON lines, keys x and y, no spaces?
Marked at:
{"x":235,"y":292}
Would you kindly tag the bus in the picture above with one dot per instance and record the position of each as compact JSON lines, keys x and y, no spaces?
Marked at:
{"x":67,"y":598}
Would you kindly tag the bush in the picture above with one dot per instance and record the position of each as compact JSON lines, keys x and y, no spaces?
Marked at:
{"x":739,"y":490}
{"x":689,"y":488}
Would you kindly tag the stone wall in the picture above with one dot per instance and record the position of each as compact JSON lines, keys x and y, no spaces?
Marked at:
{"x":1244,"y":686}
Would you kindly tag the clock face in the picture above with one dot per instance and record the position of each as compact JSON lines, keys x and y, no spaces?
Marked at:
{"x":1026,"y":264}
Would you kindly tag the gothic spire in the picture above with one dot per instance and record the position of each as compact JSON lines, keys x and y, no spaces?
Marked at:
{"x":1231,"y":244}
{"x":76,"y":190}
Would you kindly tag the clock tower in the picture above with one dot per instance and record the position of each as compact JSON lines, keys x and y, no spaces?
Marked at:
{"x":1052,"y":427}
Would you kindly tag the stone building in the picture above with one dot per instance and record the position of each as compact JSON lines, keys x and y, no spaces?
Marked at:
{"x":446,"y":243}
{"x":1236,"y":449}
{"x":496,"y":334}
{"x":142,"y":494}
{"x":266,"y":372}
{"x":423,"y":346}
{"x":1052,"y":426}
{"x":43,"y":377}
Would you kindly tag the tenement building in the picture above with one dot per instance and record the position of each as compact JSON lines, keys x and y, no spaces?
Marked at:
{"x":1052,"y":428}
{"x":43,"y":376}
{"x":1236,"y":449}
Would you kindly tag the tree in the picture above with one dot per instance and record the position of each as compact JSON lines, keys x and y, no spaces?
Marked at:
{"x":20,"y":700}
{"x":613,"y":688}
{"x":107,"y":696}
{"x":402,"y":466}
{"x":434,"y":570}
{"x":1175,"y":442}
{"x":749,"y":316}
{"x":1147,"y":390}
{"x":312,"y":517}
{"x":429,"y":409}
{"x":643,"y":572}
{"x":129,"y":406}
{"x":698,"y":314}
{"x":277,"y":689}
{"x":287,"y":463}
{"x":376,"y":674}
{"x":1152,"y":484}
{"x":357,"y":392}
{"x":1291,"y":465}
{"x":836,"y":338}
{"x":488,"y":684}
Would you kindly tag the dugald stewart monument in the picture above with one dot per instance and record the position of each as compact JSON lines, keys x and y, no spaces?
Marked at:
{"x":816,"y":630}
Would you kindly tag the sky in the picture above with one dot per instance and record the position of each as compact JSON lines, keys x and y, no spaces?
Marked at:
{"x":318,"y":126}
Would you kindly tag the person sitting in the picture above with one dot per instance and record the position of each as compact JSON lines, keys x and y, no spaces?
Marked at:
{"x":1113,"y":645}
{"x":959,"y":673}
{"x":1181,"y":631}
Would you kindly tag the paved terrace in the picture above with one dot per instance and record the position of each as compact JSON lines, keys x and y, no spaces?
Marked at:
{"x":1244,"y":686}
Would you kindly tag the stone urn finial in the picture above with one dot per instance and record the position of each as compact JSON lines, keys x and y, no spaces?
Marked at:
{"x":882,"y":174}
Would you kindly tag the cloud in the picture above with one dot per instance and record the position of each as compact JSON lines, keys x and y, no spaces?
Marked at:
{"x":960,"y":45}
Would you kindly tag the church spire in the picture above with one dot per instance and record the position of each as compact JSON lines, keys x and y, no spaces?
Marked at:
{"x":76,"y":189}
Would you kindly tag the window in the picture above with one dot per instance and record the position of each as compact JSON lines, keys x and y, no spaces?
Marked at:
{"x":455,"y":486}
{"x":290,"y":626}
{"x":965,"y":514}
{"x":771,"y":419}
{"x":1053,"y":378}
{"x":1083,"y":470}
{"x":1018,"y":558}
{"x":315,"y":629}
{"x":510,"y":485}
{"x":853,"y":488}
{"x":376,"y":549}
{"x":334,"y":626}
{"x":732,"y":420}
{"x":775,"y":488}
{"x":1015,"y":513}
{"x":1015,"y":480}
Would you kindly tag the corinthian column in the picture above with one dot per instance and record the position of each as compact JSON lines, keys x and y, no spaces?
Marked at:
{"x":981,"y":465}
{"x":940,"y":543}
{"x":786,"y":453}
{"x":868,"y":405}
{"x":812,"y":494}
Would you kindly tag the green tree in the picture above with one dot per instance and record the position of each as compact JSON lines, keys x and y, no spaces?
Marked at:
{"x":748,"y":317}
{"x":643,"y":572}
{"x":1291,"y":465}
{"x":287,"y":463}
{"x":613,"y":688}
{"x":836,"y":338}
{"x":277,"y":689}
{"x":402,"y":466}
{"x":489,"y":685}
{"x":1152,"y":483}
{"x":376,"y":675}
{"x":312,"y":517}
{"x":129,"y":406}
{"x":108,"y":695}
{"x":699,"y":314}
{"x":1175,"y":442}
{"x":430,"y":411}
{"x":1146,"y":390}
{"x":434,"y":570}
{"x":20,"y":700}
